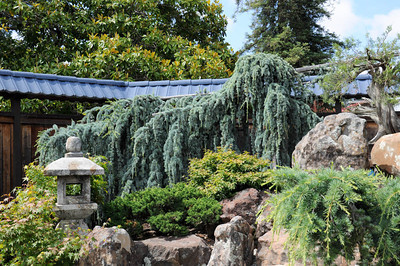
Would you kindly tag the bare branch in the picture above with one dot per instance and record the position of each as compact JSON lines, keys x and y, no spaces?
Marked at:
{"x":310,"y":68}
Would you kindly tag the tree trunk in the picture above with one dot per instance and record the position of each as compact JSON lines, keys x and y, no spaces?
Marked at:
{"x":386,"y":117}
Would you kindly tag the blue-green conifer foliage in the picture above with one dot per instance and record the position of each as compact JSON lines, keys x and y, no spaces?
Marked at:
{"x":149,"y":142}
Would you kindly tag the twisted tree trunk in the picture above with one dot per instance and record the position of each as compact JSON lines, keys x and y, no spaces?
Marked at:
{"x":381,"y":111}
{"x":385,"y":117}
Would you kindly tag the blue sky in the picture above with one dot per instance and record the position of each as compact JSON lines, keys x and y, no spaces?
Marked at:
{"x":350,"y":18}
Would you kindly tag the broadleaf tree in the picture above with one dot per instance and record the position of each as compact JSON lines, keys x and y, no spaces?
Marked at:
{"x":380,"y":59}
{"x":290,"y":29}
{"x":45,"y":35}
{"x":113,"y":39}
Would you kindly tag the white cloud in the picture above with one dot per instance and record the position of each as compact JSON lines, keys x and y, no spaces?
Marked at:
{"x":379,"y":23}
{"x":343,"y":20}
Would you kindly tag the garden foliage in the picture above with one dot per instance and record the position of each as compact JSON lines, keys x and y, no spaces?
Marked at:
{"x":27,"y":226}
{"x":220,"y":174}
{"x":329,"y":213}
{"x":64,"y":35}
{"x":170,"y":211}
{"x":149,"y":142}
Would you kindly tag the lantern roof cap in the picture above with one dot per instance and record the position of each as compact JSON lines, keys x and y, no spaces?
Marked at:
{"x":73,"y":164}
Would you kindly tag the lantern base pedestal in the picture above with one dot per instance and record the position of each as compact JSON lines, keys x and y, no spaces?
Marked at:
{"x":72,"y":215}
{"x":72,"y":225}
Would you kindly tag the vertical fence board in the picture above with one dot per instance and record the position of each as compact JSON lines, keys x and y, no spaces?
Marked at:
{"x":7,"y":157}
{"x":30,"y":128}
{"x":26,"y":144}
{"x":2,"y":176}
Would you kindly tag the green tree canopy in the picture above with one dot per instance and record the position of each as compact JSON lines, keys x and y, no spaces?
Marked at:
{"x":380,"y":59}
{"x":64,"y":36}
{"x":290,"y":29}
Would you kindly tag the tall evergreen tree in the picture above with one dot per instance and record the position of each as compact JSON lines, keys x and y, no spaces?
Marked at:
{"x":290,"y":29}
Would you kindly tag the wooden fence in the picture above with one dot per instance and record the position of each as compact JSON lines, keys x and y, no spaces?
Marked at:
{"x":15,"y":154}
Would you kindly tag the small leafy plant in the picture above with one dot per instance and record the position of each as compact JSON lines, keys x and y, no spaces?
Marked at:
{"x":170,"y":211}
{"x":220,"y":174}
{"x":27,"y":226}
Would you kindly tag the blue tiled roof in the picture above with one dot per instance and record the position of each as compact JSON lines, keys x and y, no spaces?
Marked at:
{"x":166,"y":88}
{"x":33,"y":84}
{"x":48,"y":85}
{"x":358,"y":87}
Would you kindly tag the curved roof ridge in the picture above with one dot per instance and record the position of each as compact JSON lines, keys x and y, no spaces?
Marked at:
{"x":29,"y":84}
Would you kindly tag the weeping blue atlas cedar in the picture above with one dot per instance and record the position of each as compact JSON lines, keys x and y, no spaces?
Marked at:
{"x":149,"y":142}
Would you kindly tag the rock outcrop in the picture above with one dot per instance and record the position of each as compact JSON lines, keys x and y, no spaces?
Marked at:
{"x":263,"y":225}
{"x":107,"y":246}
{"x":339,"y":140}
{"x":233,"y":244}
{"x":272,"y":251}
{"x":386,"y":154}
{"x":171,"y":251}
{"x":245,"y":204}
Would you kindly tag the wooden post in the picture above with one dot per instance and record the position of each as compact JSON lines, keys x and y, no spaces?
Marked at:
{"x":17,"y":145}
{"x":338,"y":106}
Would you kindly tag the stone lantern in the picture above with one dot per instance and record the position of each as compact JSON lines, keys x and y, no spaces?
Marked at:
{"x":76,"y":170}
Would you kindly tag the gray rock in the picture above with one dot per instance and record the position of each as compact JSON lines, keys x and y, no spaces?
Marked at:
{"x":263,"y":226}
{"x":271,"y":250}
{"x":107,"y":246}
{"x":339,"y":140}
{"x":233,"y":244}
{"x":189,"y":250}
{"x":73,"y":144}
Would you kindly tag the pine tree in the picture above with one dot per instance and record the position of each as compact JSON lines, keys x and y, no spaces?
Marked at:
{"x":290,"y":29}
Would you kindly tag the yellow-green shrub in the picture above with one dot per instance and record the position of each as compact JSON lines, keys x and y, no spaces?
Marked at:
{"x":220,"y":174}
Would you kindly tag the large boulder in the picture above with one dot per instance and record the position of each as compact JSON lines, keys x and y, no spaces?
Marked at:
{"x":233,"y":244}
{"x":339,"y":140}
{"x":263,"y":225}
{"x":171,"y":251}
{"x":271,"y":250}
{"x":244,"y":203}
{"x":386,"y":154}
{"x":107,"y":246}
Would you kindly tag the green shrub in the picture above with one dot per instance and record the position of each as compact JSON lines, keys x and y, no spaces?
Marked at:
{"x":27,"y":226}
{"x":170,"y":211}
{"x":329,"y":213}
{"x":224,"y":172}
